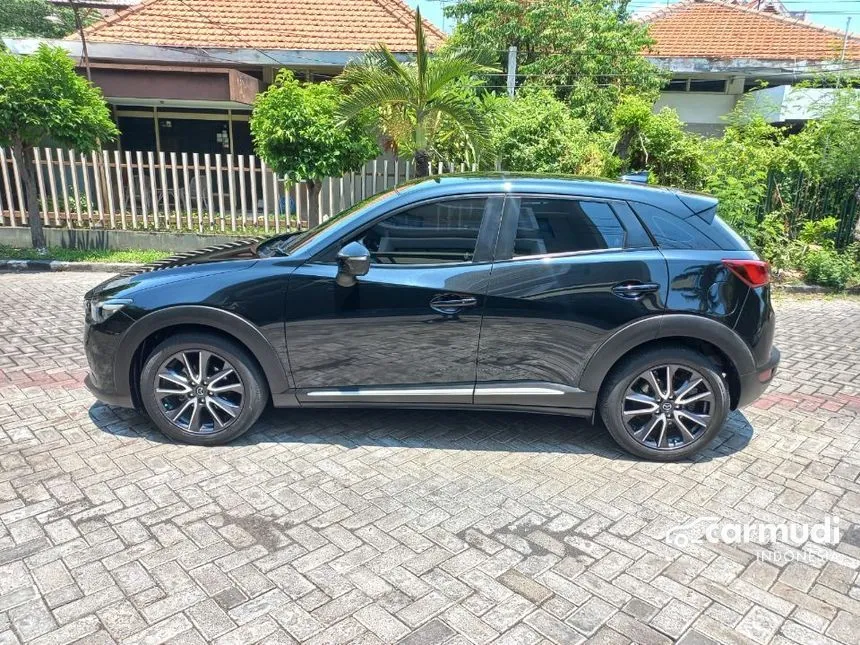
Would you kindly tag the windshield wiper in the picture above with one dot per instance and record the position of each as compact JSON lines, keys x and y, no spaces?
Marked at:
{"x":273,"y":246}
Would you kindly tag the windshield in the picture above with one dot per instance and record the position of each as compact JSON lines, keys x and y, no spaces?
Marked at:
{"x":289,"y":243}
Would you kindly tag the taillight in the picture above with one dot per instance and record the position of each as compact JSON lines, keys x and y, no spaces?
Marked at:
{"x":753,"y":273}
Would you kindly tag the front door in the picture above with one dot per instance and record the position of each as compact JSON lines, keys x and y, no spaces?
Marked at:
{"x":408,"y":330}
{"x":569,"y":272}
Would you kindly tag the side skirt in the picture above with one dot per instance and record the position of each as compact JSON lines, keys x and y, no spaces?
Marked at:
{"x":550,"y":398}
{"x":566,"y":412}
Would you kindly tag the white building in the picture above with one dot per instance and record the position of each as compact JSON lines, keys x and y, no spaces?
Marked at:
{"x":717,"y":51}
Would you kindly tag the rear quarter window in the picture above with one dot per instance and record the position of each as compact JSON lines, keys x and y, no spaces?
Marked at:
{"x":672,"y":232}
{"x":723,"y":234}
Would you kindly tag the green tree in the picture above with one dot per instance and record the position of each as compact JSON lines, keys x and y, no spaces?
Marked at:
{"x":40,"y":19}
{"x":657,"y":143}
{"x":588,"y":51}
{"x":417,"y":102}
{"x":41,"y":96}
{"x":827,"y":150}
{"x":829,"y":147}
{"x":536,"y":132}
{"x":737,"y":166}
{"x":297,"y":132}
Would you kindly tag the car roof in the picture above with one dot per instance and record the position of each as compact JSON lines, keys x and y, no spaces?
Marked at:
{"x":508,"y":182}
{"x":435,"y":187}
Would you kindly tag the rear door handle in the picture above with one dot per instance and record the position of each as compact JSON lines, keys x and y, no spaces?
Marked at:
{"x":451,"y":304}
{"x":634,"y":290}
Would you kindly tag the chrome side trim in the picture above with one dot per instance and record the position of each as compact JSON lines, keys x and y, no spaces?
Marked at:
{"x":441,"y":391}
{"x":518,"y":391}
{"x":405,"y":392}
{"x":535,"y":394}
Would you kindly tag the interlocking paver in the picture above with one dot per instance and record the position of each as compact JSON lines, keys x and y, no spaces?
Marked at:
{"x":373,"y":526}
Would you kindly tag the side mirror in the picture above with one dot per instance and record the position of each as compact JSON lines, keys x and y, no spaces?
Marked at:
{"x":353,"y":261}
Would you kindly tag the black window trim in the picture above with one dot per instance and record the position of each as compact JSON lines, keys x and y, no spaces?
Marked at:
{"x":688,"y":85}
{"x":510,"y":220}
{"x":484,"y":246}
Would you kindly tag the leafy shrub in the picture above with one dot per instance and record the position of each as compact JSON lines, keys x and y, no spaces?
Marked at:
{"x":737,"y":166}
{"x":828,"y":267}
{"x":658,"y":143}
{"x":536,"y":132}
{"x":298,"y":132}
{"x":819,"y":232}
{"x":770,"y":239}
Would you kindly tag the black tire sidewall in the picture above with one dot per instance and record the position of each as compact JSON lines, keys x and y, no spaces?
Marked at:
{"x":612,"y":397}
{"x":256,"y":389}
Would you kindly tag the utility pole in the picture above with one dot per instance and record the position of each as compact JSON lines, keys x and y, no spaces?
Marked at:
{"x":100,"y":172}
{"x":512,"y":70}
{"x":79,"y":25}
{"x":842,"y":56}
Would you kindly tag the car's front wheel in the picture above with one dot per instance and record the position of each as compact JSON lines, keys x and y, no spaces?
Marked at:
{"x":202,"y":388}
{"x":665,"y":404}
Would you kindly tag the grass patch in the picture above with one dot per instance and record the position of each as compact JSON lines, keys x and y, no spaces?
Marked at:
{"x":132,"y":256}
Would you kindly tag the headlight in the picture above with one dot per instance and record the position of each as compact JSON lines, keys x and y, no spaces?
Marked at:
{"x":99,"y":311}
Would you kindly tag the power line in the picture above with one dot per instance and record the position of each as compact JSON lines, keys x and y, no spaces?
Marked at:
{"x":225,"y":29}
{"x":785,"y":2}
{"x":549,"y":74}
{"x":200,"y":48}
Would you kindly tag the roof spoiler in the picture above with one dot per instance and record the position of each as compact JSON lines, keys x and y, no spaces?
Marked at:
{"x":705,"y":206}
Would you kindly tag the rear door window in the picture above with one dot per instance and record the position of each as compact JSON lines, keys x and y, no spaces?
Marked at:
{"x":549,"y":225}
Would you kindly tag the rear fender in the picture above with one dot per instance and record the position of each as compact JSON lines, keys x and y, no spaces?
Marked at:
{"x":665,"y":326}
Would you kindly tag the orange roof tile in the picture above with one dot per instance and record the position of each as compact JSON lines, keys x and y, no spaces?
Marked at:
{"x":323,"y":25}
{"x":717,"y":29}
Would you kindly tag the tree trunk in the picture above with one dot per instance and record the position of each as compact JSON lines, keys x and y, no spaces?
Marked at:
{"x":31,"y":193}
{"x":422,"y":163}
{"x":622,"y":149}
{"x":314,"y":190}
{"x":857,"y":225}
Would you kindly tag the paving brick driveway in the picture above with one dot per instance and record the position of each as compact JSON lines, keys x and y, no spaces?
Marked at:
{"x":430,"y":527}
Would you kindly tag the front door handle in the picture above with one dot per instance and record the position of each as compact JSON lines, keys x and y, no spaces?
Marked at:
{"x":449,"y":304}
{"x":634,"y":290}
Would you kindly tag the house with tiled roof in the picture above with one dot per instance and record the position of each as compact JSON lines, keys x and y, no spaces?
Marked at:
{"x":718,"y":50}
{"x":104,"y":7}
{"x":772,"y":6}
{"x":181,"y":75}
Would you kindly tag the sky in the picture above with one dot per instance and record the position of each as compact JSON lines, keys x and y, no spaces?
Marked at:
{"x":830,"y":13}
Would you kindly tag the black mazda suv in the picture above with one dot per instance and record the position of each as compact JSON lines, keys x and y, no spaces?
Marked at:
{"x":633,"y":304}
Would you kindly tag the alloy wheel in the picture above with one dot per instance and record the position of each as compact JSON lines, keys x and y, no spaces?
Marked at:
{"x":668,"y":407}
{"x":199,"y":391}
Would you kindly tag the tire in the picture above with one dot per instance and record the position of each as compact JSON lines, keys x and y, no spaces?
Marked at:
{"x":701,"y":410}
{"x":222,"y":415}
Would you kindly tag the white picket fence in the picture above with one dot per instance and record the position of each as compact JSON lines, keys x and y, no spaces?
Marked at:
{"x":138,"y":190}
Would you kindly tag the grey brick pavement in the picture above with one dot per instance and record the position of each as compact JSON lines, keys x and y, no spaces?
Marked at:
{"x":419,"y":527}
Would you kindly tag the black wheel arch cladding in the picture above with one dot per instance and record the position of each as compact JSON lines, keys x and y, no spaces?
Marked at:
{"x":667,"y":326}
{"x":226,"y":323}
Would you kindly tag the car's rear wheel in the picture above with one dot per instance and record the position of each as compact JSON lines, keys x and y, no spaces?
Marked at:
{"x":665,"y":404}
{"x":202,"y":389}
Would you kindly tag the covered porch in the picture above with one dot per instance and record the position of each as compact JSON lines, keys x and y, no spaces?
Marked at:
{"x":172,"y":108}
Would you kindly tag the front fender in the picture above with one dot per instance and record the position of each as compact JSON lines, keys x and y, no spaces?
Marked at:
{"x":227,"y":322}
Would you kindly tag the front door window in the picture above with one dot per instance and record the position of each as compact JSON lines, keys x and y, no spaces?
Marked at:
{"x":437,"y":233}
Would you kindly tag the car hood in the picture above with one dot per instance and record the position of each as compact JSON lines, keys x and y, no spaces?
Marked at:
{"x":231,"y":256}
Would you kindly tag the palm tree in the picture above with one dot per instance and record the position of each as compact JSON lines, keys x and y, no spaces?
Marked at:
{"x":417,"y":100}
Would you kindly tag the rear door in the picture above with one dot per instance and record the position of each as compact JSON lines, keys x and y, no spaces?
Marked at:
{"x":568,"y":273}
